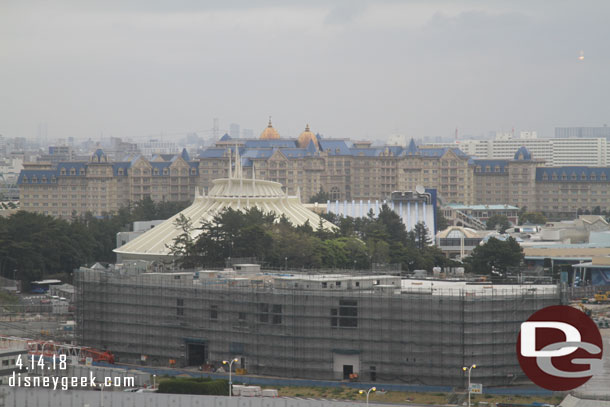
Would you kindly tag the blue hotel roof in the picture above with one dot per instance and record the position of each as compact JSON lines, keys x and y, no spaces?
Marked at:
{"x":49,"y":176}
{"x":66,"y":167}
{"x":492,"y":164}
{"x":600,"y":174}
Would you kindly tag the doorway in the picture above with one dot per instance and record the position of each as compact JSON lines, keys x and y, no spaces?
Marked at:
{"x":347,"y":371}
{"x":196,"y":354}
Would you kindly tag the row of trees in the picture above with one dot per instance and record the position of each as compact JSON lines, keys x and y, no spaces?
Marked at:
{"x":34,"y":246}
{"x":356,"y":243}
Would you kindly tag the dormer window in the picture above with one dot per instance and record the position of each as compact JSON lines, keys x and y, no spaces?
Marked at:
{"x":193,"y":171}
{"x":82,"y":171}
{"x":72,"y":171}
{"x":156,"y":171}
{"x":25,"y":179}
{"x":121,"y":172}
{"x":497,"y":169}
{"x":592,"y":177}
{"x":34,"y":179}
{"x":44,"y":179}
{"x":545,"y":177}
{"x":554,"y":177}
{"x":478,"y":169}
{"x":573,"y":177}
{"x":603,"y":176}
{"x":63,"y":171}
{"x":53,"y":179}
{"x":165,"y":171}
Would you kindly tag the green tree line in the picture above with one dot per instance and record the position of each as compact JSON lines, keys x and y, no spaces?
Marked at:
{"x":34,"y":246}
{"x":357,"y":243}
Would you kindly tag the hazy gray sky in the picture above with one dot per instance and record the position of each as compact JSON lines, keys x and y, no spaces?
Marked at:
{"x":361,"y":69}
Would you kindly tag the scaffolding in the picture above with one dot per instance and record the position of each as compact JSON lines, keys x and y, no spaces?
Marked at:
{"x":388,"y":335}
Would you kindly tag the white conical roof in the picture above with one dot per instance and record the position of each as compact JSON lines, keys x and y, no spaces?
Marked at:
{"x":235,"y":192}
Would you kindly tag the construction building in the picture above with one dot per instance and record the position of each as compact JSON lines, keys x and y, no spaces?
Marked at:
{"x":367,"y":327}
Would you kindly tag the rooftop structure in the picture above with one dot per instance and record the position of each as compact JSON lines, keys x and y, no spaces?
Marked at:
{"x":476,"y":216}
{"x":235,"y":192}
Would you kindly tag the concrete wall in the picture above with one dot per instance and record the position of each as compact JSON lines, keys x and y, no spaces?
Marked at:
{"x":19,"y":397}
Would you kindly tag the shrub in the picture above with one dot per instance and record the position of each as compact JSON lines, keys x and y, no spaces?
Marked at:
{"x":204,"y":386}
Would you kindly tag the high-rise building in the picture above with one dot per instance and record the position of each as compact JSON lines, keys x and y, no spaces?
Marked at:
{"x":554,"y":151}
{"x":583,"y":132}
{"x":234,"y":130}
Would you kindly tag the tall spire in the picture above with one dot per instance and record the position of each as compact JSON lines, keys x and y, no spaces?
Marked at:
{"x":238,"y":173}
{"x":269,"y":125}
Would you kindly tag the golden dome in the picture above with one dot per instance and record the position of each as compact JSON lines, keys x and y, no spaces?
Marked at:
{"x":306,"y":137}
{"x":270,"y":133}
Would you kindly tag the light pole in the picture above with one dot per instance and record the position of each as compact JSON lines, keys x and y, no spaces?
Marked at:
{"x":154,"y":381}
{"x":469,"y":369}
{"x":367,"y":394}
{"x":230,"y":363}
{"x":286,"y":263}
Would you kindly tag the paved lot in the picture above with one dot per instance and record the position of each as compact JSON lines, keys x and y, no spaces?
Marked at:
{"x":600,"y":384}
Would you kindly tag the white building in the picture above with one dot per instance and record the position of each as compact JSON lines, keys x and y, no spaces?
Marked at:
{"x":154,"y":147}
{"x":556,"y":152}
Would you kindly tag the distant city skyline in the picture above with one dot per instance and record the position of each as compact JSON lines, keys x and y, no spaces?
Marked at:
{"x":351,"y":69}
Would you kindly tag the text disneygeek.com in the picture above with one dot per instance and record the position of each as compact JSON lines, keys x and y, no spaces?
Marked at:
{"x":65,"y":383}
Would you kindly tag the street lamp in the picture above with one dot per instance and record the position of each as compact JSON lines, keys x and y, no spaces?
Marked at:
{"x":367,"y":394}
{"x":154,"y":381}
{"x":286,"y":263}
{"x":230,"y":363}
{"x":469,"y":369}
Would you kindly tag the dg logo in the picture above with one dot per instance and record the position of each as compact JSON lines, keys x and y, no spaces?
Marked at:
{"x":559,"y":348}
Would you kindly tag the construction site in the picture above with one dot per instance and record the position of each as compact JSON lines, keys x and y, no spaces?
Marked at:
{"x":323,"y":326}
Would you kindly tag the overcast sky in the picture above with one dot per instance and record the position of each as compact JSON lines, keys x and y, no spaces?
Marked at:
{"x":358,"y":69}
